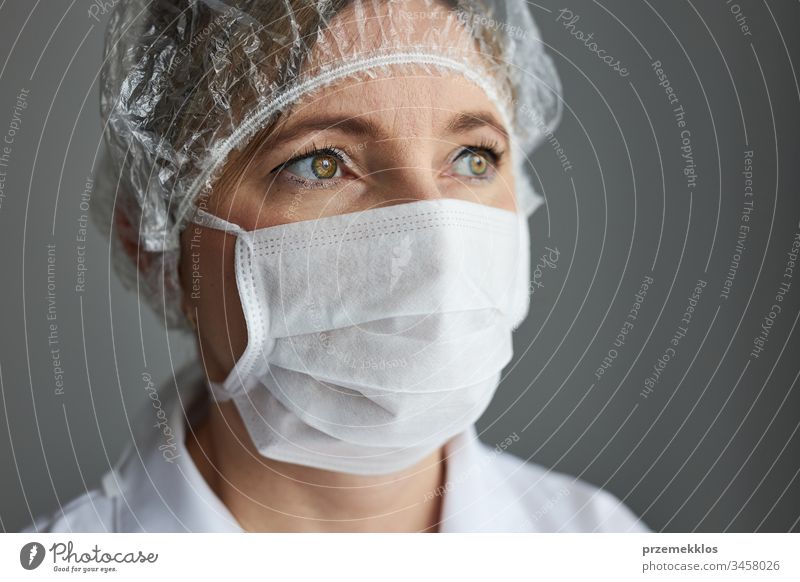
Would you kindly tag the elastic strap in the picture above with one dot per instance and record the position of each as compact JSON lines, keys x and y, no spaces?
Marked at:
{"x":203,"y":218}
{"x":218,"y":391}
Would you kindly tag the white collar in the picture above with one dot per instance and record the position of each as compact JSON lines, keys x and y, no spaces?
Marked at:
{"x":158,"y":495}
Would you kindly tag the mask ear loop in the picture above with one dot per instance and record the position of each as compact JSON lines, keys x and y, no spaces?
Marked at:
{"x":218,"y":391}
{"x":208,"y":220}
{"x":203,"y":218}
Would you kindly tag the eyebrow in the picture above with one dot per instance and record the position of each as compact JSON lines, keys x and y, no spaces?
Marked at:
{"x":463,"y":122}
{"x":363,"y":127}
{"x":352,"y":125}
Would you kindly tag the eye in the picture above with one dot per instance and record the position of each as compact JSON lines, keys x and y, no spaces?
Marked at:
{"x":316,"y":166}
{"x":474,"y":162}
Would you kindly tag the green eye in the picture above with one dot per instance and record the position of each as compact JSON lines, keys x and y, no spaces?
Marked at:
{"x":316,"y":167}
{"x":473,"y":164}
{"x":324,"y":166}
{"x":478,"y":165}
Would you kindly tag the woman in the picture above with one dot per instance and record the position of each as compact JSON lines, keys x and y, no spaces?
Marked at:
{"x":331,"y":196}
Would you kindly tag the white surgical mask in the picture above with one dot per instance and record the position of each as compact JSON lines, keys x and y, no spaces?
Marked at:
{"x":374,"y":337}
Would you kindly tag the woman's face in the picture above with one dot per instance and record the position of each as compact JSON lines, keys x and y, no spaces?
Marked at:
{"x":354,"y":146}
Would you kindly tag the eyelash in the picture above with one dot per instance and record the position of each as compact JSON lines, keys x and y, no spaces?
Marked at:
{"x":311,"y":151}
{"x":489,"y":146}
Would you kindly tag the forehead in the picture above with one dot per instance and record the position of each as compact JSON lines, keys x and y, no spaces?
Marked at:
{"x":394,"y":107}
{"x":401,"y":95}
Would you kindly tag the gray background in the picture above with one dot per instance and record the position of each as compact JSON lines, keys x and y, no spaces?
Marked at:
{"x":714,"y":447}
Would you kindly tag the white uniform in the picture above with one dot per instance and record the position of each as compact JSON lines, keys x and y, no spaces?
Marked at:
{"x":485,"y":489}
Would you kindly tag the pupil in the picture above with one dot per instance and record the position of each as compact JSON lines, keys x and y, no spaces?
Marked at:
{"x":323,"y":166}
{"x":477,"y":164}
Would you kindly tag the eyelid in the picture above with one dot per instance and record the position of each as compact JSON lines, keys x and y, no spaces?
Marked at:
{"x":493,"y":157}
{"x":488,"y":150}
{"x":490,"y":147}
{"x":313,"y":151}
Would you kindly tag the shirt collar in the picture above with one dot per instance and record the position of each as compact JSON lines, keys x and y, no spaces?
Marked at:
{"x":160,"y":489}
{"x":158,"y":486}
{"x":477,"y":497}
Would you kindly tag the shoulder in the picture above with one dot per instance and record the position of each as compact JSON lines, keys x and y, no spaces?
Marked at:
{"x":555,"y":501}
{"x":91,"y":512}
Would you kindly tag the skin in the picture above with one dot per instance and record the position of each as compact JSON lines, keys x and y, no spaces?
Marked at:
{"x":403,"y":154}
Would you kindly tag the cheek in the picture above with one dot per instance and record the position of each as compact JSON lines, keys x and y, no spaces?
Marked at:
{"x":208,"y":280}
{"x":260,"y":203}
{"x":503,"y":190}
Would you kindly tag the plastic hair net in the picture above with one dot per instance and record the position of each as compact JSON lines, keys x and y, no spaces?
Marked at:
{"x":187,"y":82}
